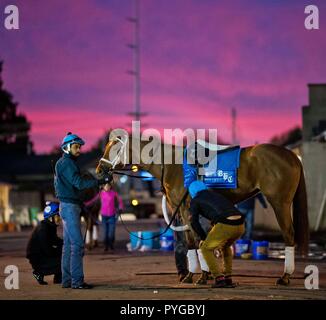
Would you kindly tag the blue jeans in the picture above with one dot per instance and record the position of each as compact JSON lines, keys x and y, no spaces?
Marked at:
{"x":249,"y":223}
{"x":73,"y":245}
{"x":109,"y":230}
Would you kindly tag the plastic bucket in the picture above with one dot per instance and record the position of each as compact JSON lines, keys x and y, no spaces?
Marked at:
{"x":150,"y":243}
{"x":167,"y":240}
{"x":135,"y":242}
{"x":241,"y":246}
{"x":147,"y":244}
{"x":260,"y":250}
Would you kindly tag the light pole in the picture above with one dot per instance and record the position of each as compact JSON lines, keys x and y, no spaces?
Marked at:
{"x":135,"y":46}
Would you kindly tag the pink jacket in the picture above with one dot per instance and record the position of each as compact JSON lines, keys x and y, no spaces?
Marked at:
{"x":107,"y":203}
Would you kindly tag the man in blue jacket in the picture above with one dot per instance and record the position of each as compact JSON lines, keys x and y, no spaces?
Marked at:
{"x":68,"y":184}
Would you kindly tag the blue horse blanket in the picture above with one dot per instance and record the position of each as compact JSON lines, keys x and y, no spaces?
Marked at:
{"x":219,"y":172}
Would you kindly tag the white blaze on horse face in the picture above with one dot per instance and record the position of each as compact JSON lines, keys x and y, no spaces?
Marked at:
{"x":118,"y":147}
{"x":117,"y":152}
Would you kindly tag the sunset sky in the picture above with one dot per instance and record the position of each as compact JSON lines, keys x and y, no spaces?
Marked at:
{"x":66,"y":65}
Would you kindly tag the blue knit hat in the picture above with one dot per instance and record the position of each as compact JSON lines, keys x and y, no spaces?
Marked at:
{"x":196,"y":187}
{"x":51,"y":209}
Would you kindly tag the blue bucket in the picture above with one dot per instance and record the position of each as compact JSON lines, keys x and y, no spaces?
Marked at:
{"x":147,"y":244}
{"x":135,"y":242}
{"x":242,"y":246}
{"x":167,"y":240}
{"x":260,"y":250}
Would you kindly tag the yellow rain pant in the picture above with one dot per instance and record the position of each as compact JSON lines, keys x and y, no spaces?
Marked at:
{"x":221,"y":237}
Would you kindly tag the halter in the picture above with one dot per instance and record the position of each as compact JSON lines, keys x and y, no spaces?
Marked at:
{"x":121,"y":152}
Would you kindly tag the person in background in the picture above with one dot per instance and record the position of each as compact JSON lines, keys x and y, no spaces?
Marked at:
{"x":111,"y":204}
{"x":247,"y":208}
{"x":44,"y":248}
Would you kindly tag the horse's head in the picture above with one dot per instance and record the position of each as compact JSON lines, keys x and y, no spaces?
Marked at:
{"x":115,"y":155}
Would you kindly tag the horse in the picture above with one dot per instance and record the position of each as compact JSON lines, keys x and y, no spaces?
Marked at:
{"x":90,"y":212}
{"x":273,"y":170}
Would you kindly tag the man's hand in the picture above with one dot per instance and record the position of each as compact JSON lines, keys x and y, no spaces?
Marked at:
{"x":200,"y":243}
{"x":106,"y":179}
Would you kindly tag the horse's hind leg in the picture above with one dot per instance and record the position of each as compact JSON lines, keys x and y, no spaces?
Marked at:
{"x":283,"y":215}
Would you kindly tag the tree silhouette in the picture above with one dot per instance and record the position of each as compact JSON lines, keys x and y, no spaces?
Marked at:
{"x":292,"y":136}
{"x":14,"y":128}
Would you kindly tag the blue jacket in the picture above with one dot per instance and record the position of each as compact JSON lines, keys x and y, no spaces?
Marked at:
{"x":68,"y":181}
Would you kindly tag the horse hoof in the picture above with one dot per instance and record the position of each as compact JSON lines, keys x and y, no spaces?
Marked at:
{"x":283,"y":281}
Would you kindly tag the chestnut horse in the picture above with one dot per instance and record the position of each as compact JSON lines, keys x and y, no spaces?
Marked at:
{"x":90,"y":212}
{"x":275,"y":171}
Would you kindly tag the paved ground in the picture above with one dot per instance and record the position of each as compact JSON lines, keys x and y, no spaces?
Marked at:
{"x":151,"y":275}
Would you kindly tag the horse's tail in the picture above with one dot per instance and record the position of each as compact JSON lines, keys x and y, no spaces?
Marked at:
{"x":300,"y":216}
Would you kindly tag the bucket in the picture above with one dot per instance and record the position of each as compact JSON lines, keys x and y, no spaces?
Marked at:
{"x":167,"y":240}
{"x":242,"y":246}
{"x":260,"y":250}
{"x":148,"y":244}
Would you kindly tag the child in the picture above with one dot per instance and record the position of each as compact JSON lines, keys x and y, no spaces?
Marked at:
{"x":110,"y":204}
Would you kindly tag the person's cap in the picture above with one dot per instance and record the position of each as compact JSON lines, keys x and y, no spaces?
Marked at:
{"x":195,"y":187}
{"x":51,"y":209}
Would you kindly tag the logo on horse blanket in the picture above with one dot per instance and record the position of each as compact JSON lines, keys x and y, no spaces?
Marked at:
{"x":217,"y":170}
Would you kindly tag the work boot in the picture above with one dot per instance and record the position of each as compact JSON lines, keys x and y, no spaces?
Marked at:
{"x":188,"y":278}
{"x":203,"y":278}
{"x":83,"y":286}
{"x":39,"y":277}
{"x":57,"y":279}
{"x":209,"y":276}
{"x":229,"y":282}
{"x":219,"y":282}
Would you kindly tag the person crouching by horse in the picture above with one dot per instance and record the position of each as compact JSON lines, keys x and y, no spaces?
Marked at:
{"x":68,"y":184}
{"x":228,"y":227}
{"x":111,"y":203}
{"x":44,"y":247}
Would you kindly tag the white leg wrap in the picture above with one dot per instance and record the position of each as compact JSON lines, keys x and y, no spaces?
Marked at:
{"x":95,"y":233}
{"x":192,"y":260}
{"x":202,"y":261}
{"x":87,"y":237}
{"x":289,"y":260}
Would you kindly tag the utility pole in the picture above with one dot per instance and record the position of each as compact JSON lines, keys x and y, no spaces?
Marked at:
{"x":135,"y":46}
